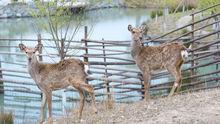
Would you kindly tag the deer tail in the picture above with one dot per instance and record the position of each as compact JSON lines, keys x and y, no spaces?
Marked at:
{"x":86,"y":68}
{"x":185,"y":52}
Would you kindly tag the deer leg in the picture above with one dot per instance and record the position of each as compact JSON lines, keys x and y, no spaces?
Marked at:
{"x":146,"y":78}
{"x":43,"y":103}
{"x":179,"y":86}
{"x":93,"y":101}
{"x":49,"y":103}
{"x":88,"y":88}
{"x":82,"y":101}
{"x":180,"y":82}
{"x":177,"y":75}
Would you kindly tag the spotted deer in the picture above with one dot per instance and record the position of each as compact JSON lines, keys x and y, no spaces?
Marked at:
{"x":169,"y":56}
{"x":50,"y":77}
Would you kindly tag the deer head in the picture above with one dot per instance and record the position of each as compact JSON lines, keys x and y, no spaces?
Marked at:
{"x":137,"y":33}
{"x":30,"y":52}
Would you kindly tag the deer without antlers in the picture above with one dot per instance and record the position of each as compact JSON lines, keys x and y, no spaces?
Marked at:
{"x":169,"y":56}
{"x":50,"y":77}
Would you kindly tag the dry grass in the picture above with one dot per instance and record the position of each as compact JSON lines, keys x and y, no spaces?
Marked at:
{"x":198,"y":107}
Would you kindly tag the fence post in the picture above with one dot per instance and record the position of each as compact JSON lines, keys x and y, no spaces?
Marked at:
{"x":217,"y":27}
{"x":62,"y":47}
{"x":192,"y":53}
{"x":1,"y":90}
{"x":106,"y":72}
{"x":40,"y":52}
{"x":1,"y":82}
{"x":142,"y":86}
{"x":86,"y":59}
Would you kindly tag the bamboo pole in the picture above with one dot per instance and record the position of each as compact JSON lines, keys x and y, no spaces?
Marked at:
{"x":111,"y":63}
{"x":40,"y":49}
{"x":202,"y":37}
{"x":1,"y":82}
{"x":17,"y":82}
{"x":190,"y":32}
{"x":111,"y":50}
{"x":14,"y":75}
{"x":86,"y":59}
{"x":202,"y":20}
{"x":106,"y":76}
{"x":192,"y":71}
{"x":109,"y":42}
{"x":114,"y":58}
{"x":210,"y":7}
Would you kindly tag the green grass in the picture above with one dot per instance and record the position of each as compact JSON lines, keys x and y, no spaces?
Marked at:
{"x":156,"y":12}
{"x":6,"y":118}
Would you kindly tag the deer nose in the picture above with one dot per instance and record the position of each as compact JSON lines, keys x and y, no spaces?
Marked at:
{"x":141,"y":38}
{"x":29,"y":59}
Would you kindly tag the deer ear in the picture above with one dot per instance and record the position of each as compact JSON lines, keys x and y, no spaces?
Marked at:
{"x":38,"y":47}
{"x":143,"y":27}
{"x":129,"y":27}
{"x":22,"y":46}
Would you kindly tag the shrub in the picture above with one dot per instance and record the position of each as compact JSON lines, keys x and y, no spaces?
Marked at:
{"x":6,"y":118}
{"x":156,"y":12}
{"x":205,"y":3}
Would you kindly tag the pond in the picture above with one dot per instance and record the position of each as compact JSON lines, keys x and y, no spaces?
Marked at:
{"x":110,"y":24}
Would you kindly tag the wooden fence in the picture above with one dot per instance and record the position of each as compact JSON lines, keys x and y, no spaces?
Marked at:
{"x":114,"y":73}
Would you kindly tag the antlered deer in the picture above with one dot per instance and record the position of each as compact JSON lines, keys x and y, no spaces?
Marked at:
{"x":50,"y":77}
{"x":168,"y":56}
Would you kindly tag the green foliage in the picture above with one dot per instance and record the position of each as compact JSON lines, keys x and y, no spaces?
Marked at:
{"x":177,"y":5}
{"x":57,"y":16}
{"x":92,"y":2}
{"x":6,"y":118}
{"x":170,"y":3}
{"x":173,"y":5}
{"x":184,"y":31}
{"x":135,"y":3}
{"x":144,"y":3}
{"x":205,"y":3}
{"x":156,"y":12}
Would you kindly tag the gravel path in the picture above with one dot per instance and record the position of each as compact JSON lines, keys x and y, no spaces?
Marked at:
{"x":193,"y":108}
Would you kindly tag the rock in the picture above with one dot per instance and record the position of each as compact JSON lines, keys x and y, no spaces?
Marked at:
{"x":183,"y":21}
{"x":18,"y":15}
{"x":7,"y":11}
{"x":3,"y":16}
{"x":1,"y":11}
{"x":9,"y":15}
{"x":14,"y":10}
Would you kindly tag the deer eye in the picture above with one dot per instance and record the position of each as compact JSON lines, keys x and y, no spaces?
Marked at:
{"x":26,"y":52}
{"x":133,"y":32}
{"x":34,"y":52}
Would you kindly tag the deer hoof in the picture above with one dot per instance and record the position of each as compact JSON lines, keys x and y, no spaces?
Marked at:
{"x":95,"y":111}
{"x":146,"y":98}
{"x":50,"y":120}
{"x":170,"y":95}
{"x":40,"y":121}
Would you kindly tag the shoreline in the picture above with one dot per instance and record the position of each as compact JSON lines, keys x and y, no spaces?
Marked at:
{"x":21,"y":10}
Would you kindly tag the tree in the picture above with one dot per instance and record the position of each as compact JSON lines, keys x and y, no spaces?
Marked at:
{"x":57,"y":22}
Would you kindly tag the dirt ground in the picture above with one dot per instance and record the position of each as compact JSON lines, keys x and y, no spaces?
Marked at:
{"x":201,"y":107}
